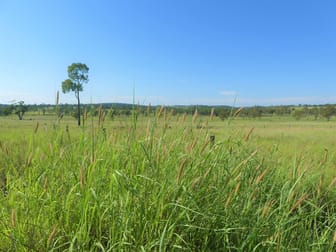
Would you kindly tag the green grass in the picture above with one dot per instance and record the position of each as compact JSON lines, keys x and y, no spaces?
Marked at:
{"x":160,"y":185}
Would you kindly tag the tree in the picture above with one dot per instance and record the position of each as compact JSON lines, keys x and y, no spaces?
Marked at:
{"x":315,"y":111}
{"x":78,"y":75}
{"x":6,"y":111}
{"x":224,"y":113}
{"x":298,"y":113}
{"x":255,"y":112}
{"x":19,"y":109}
{"x":328,"y":111}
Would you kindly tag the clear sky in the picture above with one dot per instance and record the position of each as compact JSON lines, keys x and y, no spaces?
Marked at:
{"x":257,"y":52}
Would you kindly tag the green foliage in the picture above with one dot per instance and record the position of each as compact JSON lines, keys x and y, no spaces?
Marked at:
{"x":68,"y":86}
{"x":224,"y":113}
{"x":255,"y":112}
{"x":298,"y":113}
{"x":328,"y":111}
{"x":305,"y":112}
{"x":6,"y":111}
{"x":78,"y":75}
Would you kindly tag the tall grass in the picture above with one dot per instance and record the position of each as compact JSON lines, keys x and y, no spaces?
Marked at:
{"x":156,"y":188}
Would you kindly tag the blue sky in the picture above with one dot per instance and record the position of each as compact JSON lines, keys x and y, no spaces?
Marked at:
{"x":171,"y":51}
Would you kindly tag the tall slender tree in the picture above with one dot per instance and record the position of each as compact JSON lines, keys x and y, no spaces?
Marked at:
{"x":78,"y":75}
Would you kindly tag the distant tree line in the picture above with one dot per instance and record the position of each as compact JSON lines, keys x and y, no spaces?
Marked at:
{"x":18,"y":108}
{"x":113,"y":110}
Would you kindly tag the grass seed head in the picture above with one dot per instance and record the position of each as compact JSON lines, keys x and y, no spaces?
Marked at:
{"x":52,"y":235}
{"x":237,"y":112}
{"x":332,"y":183}
{"x":207,"y":172}
{"x":160,"y":111}
{"x":261,"y":176}
{"x":204,"y":146}
{"x":181,"y":169}
{"x":298,"y":202}
{"x":247,"y":137}
{"x":195,"y":182}
{"x":45,"y":184}
{"x":212,"y":114}
{"x":184,"y":117}
{"x":227,"y":202}
{"x":266,"y":208}
{"x":29,"y":159}
{"x":237,"y":188}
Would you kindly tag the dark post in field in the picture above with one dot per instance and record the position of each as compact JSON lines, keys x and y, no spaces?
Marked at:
{"x":212,"y":140}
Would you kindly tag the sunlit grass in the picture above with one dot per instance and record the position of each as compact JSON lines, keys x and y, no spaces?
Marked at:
{"x":160,"y":184}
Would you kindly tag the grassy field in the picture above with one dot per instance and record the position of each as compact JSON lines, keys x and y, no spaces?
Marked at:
{"x":160,"y":184}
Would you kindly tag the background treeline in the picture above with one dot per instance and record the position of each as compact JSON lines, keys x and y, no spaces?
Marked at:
{"x":113,"y":110}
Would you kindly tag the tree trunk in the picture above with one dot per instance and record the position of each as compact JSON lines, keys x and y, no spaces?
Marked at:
{"x":20,"y":115}
{"x":78,"y":109}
